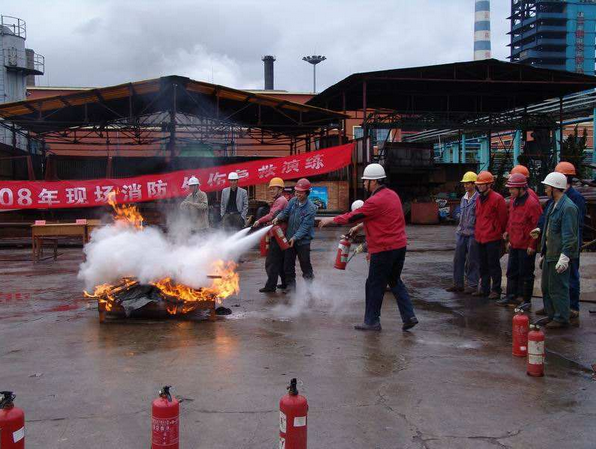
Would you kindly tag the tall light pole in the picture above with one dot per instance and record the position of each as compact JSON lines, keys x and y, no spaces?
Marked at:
{"x":314,"y":60}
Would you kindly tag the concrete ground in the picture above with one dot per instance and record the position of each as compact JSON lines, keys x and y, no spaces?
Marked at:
{"x":450,"y":383}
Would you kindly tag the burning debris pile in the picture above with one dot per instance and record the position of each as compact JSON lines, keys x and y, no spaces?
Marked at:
{"x":165,"y":295}
{"x":130,"y":267}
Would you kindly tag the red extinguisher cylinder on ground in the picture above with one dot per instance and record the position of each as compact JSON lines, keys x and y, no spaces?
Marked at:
{"x":280,"y":237}
{"x":536,"y":352}
{"x":293,"y":410}
{"x":12,"y":423}
{"x":165,"y":421}
{"x":343,"y":253}
{"x":521,"y":324}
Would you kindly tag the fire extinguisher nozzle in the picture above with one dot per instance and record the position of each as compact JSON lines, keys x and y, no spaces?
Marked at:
{"x":165,"y":392}
{"x":292,"y":388}
{"x":6,"y":399}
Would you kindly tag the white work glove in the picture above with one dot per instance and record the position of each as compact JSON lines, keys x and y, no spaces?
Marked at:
{"x":562,"y":264}
{"x":535,"y":233}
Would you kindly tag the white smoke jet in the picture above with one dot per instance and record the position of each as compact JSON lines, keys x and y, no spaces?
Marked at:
{"x":316,"y":296}
{"x":117,"y":251}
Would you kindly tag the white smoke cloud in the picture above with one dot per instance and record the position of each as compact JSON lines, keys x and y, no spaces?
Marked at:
{"x":149,"y":255}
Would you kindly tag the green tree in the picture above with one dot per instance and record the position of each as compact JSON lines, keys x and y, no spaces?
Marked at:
{"x":573,"y":150}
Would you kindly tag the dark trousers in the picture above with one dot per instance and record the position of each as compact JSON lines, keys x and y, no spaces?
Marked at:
{"x":385,"y":269}
{"x":574,"y":284}
{"x":520,"y":274}
{"x":465,"y":261}
{"x":303,"y":254}
{"x":555,"y":292}
{"x":232,"y":221}
{"x":274,"y":265}
{"x":490,"y":266}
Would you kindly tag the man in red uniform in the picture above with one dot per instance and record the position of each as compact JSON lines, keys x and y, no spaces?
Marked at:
{"x":385,"y":228}
{"x":491,"y":223}
{"x":524,"y":213}
{"x":523,"y":170}
{"x":274,"y":263}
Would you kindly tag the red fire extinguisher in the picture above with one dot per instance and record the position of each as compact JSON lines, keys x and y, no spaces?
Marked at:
{"x":264,"y":245}
{"x":280,"y":237}
{"x":343,"y":252}
{"x":521,"y":324}
{"x":536,"y":352}
{"x":12,"y":423}
{"x":293,"y":409}
{"x":165,"y":421}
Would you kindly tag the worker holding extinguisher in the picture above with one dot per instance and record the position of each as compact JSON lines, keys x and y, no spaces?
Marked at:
{"x":274,"y":263}
{"x":300,"y":216}
{"x":385,"y":229}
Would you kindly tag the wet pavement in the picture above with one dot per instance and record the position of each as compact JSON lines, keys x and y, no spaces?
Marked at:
{"x":449,"y":383}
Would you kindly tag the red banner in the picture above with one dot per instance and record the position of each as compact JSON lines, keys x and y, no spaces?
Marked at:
{"x":92,"y":193}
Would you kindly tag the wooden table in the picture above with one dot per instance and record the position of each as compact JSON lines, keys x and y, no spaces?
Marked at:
{"x":39,"y":231}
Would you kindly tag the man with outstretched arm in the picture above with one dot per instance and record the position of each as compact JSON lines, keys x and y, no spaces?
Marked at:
{"x":385,"y":229}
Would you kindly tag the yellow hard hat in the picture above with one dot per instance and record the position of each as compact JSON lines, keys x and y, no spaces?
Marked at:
{"x":277,"y":182}
{"x":469,"y":177}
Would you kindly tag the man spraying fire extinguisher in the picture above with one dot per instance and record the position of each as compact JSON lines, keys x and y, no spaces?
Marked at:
{"x":385,"y":229}
{"x":274,"y":263}
{"x":300,"y":215}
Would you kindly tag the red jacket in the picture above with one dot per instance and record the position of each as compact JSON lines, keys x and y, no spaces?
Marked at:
{"x":383,"y":218}
{"x":491,"y":217}
{"x":278,"y":205}
{"x":524,"y":214}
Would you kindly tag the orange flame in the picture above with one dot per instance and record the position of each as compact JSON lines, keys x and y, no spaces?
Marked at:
{"x":183,"y":299}
{"x":106,"y":293}
{"x":126,"y":214}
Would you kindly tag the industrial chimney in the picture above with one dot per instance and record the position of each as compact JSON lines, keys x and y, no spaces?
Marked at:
{"x":268,"y":63}
{"x":482,"y":30}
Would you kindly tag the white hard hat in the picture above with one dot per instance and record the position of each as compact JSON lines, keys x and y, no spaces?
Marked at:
{"x":194,"y":181}
{"x":233,"y":176}
{"x":357,"y":205}
{"x":374,"y":171}
{"x":556,"y":180}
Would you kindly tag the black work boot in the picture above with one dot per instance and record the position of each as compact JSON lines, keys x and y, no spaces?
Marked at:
{"x":525,"y":305}
{"x":368,"y":327}
{"x":574,"y":318}
{"x":409,"y":324}
{"x":507,"y":301}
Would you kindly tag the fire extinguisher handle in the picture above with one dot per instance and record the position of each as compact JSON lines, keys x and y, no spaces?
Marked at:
{"x":292,"y":388}
{"x":6,"y":398}
{"x":165,"y":392}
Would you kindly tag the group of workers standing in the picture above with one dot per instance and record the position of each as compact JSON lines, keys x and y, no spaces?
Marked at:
{"x":488,"y":228}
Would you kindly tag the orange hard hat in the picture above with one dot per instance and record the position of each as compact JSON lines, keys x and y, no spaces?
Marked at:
{"x":485,"y":177}
{"x":566,"y":168}
{"x":302,"y":185}
{"x":521,"y":169}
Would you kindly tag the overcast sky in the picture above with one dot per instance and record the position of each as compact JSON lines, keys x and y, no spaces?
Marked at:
{"x":105,"y":42}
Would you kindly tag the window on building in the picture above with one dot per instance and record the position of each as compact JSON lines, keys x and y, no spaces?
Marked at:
{"x":378,"y":136}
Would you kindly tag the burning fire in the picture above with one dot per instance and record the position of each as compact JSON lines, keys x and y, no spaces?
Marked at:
{"x":225,"y":283}
{"x":178,"y":298}
{"x":106,"y":293}
{"x":126,"y":214}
